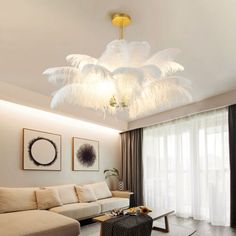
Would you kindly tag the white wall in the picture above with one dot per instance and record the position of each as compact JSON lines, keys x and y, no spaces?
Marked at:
{"x":13,"y":118}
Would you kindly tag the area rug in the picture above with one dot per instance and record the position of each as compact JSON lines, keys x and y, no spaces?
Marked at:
{"x":175,"y":230}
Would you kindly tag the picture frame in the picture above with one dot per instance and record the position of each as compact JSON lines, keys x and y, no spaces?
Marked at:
{"x":85,"y":154}
{"x":41,"y":150}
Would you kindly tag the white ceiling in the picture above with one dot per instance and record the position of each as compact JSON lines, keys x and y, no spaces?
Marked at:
{"x":37,"y":34}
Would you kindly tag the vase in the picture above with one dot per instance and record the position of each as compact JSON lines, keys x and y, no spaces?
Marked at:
{"x":121,"y":185}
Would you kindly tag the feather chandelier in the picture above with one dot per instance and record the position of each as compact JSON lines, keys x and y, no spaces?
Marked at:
{"x":125,"y":77}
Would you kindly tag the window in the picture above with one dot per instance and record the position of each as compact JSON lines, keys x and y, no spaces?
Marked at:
{"x":186,"y":166}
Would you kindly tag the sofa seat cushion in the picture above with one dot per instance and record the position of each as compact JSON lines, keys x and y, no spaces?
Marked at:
{"x":36,"y":223}
{"x":78,"y":210}
{"x":109,"y":204}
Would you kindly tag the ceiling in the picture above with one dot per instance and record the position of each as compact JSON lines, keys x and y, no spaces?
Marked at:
{"x":37,"y":34}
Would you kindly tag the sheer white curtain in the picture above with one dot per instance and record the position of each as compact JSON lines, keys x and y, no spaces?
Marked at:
{"x":186,"y":166}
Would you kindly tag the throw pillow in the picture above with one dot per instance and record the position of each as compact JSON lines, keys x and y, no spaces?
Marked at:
{"x":66,"y":192}
{"x":85,"y":194}
{"x":47,"y":198}
{"x":17,"y":199}
{"x":101,"y":190}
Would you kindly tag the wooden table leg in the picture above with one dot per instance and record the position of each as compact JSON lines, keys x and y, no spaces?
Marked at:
{"x":166,"y":229}
{"x":101,"y":229}
{"x":167,"y":224}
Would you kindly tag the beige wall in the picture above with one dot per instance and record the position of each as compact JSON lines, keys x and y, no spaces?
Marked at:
{"x":13,"y":118}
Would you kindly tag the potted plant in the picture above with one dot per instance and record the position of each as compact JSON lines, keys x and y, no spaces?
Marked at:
{"x":114,"y":172}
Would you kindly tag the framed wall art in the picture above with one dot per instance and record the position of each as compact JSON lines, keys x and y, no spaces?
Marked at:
{"x":41,"y":150}
{"x":85,"y":154}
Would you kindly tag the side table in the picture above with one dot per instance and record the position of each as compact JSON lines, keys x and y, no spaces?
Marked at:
{"x":125,"y":194}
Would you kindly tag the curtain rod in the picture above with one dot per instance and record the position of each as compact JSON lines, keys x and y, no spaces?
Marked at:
{"x":177,"y":118}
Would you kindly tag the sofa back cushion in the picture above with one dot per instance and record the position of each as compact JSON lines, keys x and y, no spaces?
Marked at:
{"x":17,"y":199}
{"x":67,"y":193}
{"x":100,"y":189}
{"x":85,"y":194}
{"x":47,"y":198}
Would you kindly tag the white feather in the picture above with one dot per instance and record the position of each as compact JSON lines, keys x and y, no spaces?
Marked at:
{"x":169,"y":67}
{"x":162,"y":95}
{"x":128,"y":83}
{"x":62,"y":75}
{"x":138,"y":53}
{"x":168,"y":54}
{"x":95,"y":96}
{"x":134,"y":73}
{"x":80,"y":60}
{"x":115,"y":55}
{"x":94,"y":73}
{"x":165,"y":61}
{"x":151,"y":73}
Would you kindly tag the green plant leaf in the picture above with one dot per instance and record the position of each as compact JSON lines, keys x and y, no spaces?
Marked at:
{"x":111,"y":172}
{"x":106,"y":171}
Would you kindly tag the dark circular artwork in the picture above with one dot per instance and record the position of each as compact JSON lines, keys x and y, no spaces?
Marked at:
{"x":86,"y":155}
{"x":52,"y":157}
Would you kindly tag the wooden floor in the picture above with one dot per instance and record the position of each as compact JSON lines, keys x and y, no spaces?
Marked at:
{"x":203,"y":228}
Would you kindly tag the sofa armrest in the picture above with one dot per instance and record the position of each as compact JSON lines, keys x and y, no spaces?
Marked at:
{"x":122,"y":194}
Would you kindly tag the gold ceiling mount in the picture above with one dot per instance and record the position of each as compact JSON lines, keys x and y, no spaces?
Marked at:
{"x":121,"y":20}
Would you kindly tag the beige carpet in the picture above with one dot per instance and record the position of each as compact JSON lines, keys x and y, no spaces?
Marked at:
{"x":175,"y":230}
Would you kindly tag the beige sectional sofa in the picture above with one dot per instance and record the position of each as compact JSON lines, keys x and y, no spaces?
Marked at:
{"x":37,"y":222}
{"x":55,"y":210}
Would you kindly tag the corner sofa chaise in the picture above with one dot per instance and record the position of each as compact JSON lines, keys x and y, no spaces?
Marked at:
{"x":55,"y":210}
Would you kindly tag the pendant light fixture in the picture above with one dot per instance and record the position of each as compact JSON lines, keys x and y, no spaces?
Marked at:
{"x":126,"y":77}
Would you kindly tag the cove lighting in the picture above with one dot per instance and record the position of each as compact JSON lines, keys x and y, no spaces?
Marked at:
{"x":6,"y":105}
